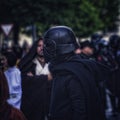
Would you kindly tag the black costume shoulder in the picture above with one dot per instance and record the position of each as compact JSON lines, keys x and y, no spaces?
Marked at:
{"x":84,"y":70}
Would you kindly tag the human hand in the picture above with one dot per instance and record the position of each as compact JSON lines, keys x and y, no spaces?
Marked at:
{"x":50,"y":76}
{"x":29,"y":74}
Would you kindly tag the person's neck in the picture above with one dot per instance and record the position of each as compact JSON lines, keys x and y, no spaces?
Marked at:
{"x":41,"y":60}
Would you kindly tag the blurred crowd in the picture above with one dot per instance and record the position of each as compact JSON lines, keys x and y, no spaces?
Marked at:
{"x":33,"y":80}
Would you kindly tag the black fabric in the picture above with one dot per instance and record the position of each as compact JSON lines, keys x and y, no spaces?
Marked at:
{"x":84,"y":56}
{"x":81,"y":74}
{"x":113,"y":84}
{"x":35,"y":98}
{"x":86,"y":43}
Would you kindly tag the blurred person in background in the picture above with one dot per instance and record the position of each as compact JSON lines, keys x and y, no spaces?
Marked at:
{"x":3,"y":62}
{"x":5,"y":48}
{"x":95,"y":39}
{"x":86,"y":49}
{"x":13,"y":76}
{"x":17,"y":49}
{"x":25,"y":48}
{"x":7,"y":111}
{"x":113,"y":84}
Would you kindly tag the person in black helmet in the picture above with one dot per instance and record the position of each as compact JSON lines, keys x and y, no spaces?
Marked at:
{"x":75,"y":93}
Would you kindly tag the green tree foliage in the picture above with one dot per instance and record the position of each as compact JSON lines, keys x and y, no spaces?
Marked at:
{"x":109,"y":11}
{"x":84,"y":16}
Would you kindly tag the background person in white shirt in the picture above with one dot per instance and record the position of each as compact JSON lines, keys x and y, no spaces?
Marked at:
{"x":13,"y":76}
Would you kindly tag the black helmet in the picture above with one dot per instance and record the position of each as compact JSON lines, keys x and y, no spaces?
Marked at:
{"x":58,"y":41}
{"x":96,"y":37}
{"x":114,"y":41}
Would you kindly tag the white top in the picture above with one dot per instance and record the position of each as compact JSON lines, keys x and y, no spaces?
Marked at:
{"x":39,"y":69}
{"x":13,"y":76}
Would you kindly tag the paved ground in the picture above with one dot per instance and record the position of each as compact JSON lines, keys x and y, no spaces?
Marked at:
{"x":109,"y":113}
{"x":110,"y":117}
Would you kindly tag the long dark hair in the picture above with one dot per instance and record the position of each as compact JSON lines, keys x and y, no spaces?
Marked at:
{"x":4,"y":90}
{"x":25,"y":62}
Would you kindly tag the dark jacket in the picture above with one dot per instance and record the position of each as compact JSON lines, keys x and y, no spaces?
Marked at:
{"x":35,"y":99}
{"x":75,"y":91}
{"x":84,"y":56}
